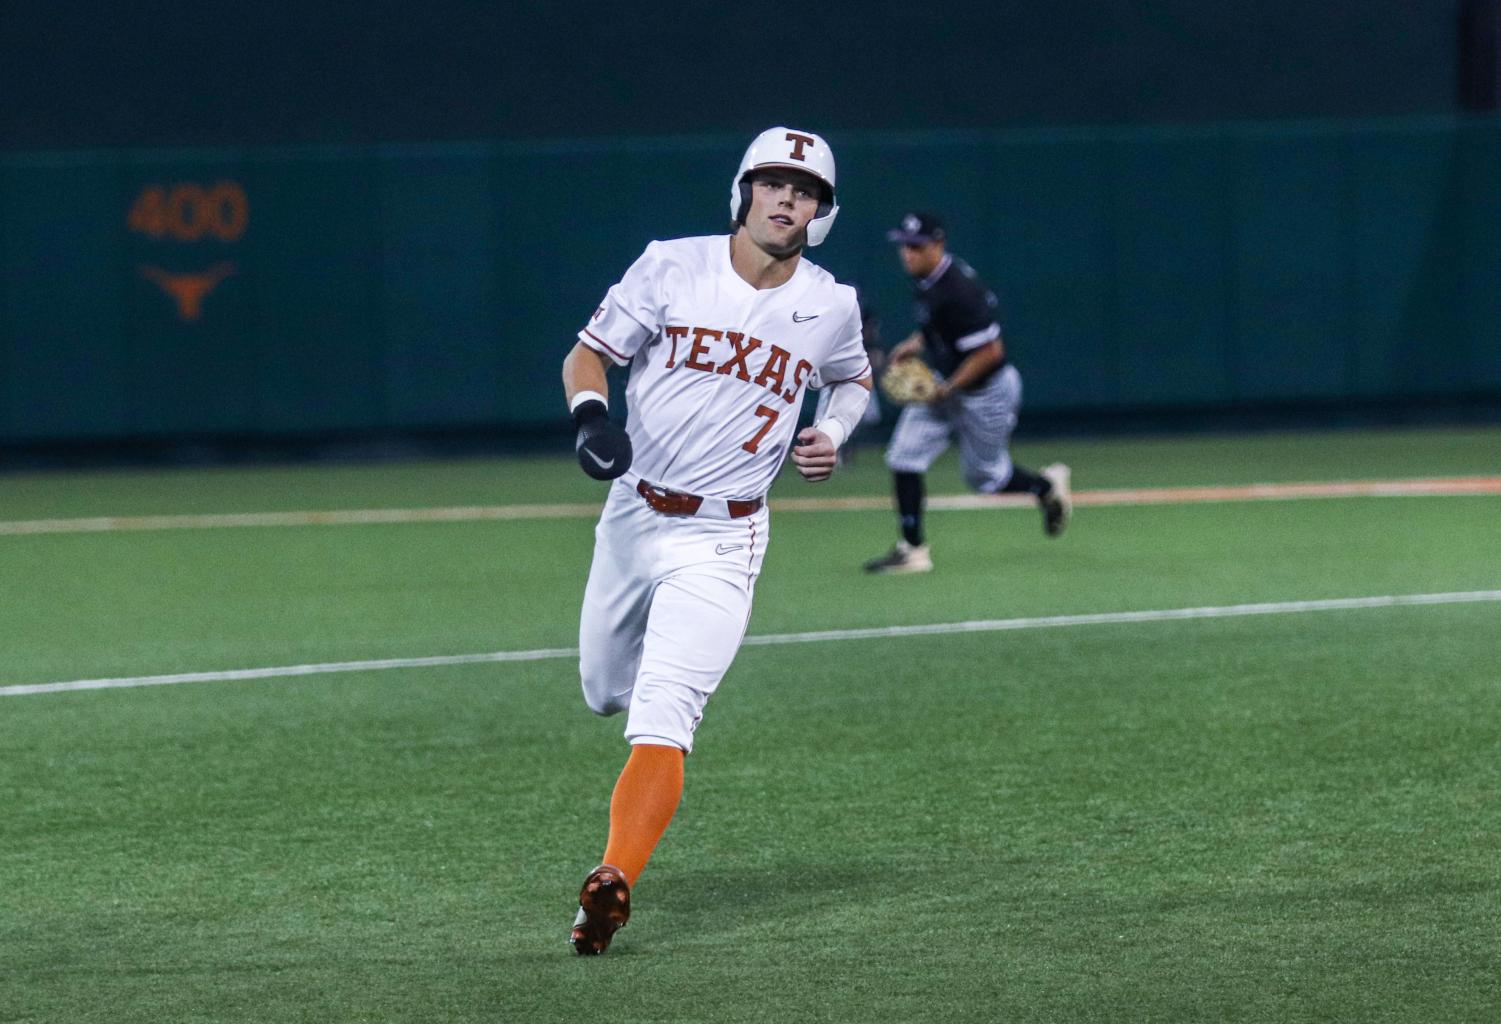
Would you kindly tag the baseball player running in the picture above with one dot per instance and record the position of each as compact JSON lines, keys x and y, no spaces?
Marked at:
{"x":978,"y":396}
{"x":722,"y":335}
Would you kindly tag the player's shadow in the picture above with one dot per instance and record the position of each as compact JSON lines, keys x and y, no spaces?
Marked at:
{"x":722,"y":903}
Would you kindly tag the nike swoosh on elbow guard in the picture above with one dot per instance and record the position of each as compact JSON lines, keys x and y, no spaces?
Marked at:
{"x":601,"y":463}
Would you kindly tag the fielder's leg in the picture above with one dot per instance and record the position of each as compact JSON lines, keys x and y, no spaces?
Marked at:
{"x":987,"y":420}
{"x":921,"y":435}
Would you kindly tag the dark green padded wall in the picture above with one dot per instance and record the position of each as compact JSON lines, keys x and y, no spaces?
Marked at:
{"x":398,"y":287}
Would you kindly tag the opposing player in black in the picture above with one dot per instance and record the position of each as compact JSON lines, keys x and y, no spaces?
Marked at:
{"x":978,"y":399}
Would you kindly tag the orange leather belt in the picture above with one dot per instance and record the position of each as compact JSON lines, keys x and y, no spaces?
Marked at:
{"x":676,"y":503}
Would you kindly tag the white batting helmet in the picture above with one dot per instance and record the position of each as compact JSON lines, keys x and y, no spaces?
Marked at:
{"x":787,"y":147}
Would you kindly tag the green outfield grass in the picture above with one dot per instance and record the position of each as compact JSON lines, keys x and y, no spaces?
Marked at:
{"x":1291,"y":817}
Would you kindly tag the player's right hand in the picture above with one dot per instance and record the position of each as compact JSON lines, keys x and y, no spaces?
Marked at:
{"x":814,"y":455}
{"x":603,"y":447}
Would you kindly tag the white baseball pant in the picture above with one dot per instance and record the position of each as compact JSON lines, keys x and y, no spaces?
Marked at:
{"x":665,"y":610}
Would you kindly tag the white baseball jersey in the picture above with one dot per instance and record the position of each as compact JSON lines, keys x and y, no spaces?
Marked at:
{"x":719,"y":367}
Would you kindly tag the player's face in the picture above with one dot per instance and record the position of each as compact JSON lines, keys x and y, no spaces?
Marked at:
{"x":783,"y":201}
{"x":922,"y":258}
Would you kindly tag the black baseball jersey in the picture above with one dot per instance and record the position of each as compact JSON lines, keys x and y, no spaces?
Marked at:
{"x":957,"y":314}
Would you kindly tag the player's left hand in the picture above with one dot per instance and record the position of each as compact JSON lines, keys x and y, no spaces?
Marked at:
{"x":814,"y":455}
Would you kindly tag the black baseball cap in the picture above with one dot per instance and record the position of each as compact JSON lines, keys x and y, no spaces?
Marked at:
{"x":917,"y":228}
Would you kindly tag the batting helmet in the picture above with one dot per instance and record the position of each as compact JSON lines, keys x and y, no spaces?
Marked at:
{"x":785,"y":147}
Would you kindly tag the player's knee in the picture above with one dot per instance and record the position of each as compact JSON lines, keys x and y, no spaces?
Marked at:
{"x":985,"y":483}
{"x":603,"y":702}
{"x":605,"y":693}
{"x":667,"y":714}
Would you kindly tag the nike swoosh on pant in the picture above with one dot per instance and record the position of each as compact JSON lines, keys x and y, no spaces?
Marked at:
{"x":724,"y":549}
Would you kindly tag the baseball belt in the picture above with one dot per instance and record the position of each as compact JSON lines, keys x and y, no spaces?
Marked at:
{"x":677,"y":503}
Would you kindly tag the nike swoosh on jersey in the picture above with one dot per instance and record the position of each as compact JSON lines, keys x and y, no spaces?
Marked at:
{"x":601,"y":463}
{"x":803,"y":319}
{"x":724,"y":549}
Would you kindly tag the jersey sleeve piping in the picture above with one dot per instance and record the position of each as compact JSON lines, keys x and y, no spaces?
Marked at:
{"x":601,"y":344}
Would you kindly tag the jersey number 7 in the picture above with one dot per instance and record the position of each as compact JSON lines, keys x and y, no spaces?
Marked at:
{"x":771,"y":421}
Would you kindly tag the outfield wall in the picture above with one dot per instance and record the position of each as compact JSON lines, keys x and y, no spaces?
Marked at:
{"x":278,"y":292}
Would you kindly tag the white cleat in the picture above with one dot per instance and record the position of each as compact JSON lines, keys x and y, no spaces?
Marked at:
{"x":1058,"y":506}
{"x":902,"y":558}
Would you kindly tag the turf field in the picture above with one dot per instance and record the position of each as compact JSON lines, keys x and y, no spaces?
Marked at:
{"x":1286,"y":816}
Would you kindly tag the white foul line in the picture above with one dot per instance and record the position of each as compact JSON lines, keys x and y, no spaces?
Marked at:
{"x":776,"y":639}
{"x":1438,"y":487}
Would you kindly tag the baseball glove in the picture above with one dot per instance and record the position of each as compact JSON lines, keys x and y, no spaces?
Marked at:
{"x":907,"y":381}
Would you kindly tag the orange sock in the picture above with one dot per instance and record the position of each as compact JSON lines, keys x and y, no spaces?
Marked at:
{"x":646,"y":797}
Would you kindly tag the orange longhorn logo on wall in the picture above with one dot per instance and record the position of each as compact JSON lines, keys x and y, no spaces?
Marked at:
{"x":189,"y":212}
{"x":189,"y":290}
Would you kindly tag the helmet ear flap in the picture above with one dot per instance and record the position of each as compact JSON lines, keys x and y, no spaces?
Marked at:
{"x":745,"y":199}
{"x":825,"y":200}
